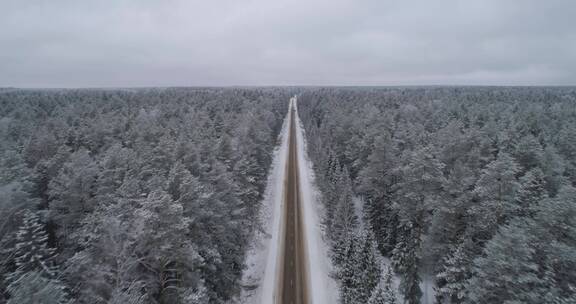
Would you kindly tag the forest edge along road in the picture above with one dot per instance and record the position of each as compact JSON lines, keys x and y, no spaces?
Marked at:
{"x":293,"y":279}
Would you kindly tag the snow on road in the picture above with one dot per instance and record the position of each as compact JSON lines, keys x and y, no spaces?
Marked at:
{"x":262,"y":262}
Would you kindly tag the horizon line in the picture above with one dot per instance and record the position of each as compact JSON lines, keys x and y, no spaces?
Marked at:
{"x":287,"y":86}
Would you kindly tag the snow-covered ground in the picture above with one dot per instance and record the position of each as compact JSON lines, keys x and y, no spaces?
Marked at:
{"x":260,"y":276}
{"x":323,"y":288}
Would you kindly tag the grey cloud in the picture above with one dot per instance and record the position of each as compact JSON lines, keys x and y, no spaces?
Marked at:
{"x":260,"y":42}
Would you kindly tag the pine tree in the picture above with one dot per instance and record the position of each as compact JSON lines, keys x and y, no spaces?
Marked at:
{"x":113,"y":170}
{"x":176,"y":177}
{"x":448,"y":221}
{"x":498,"y":181}
{"x":555,"y":240}
{"x":384,"y":293}
{"x":345,"y":220}
{"x":528,"y":152}
{"x":71,"y":196}
{"x":128,"y":295}
{"x":348,"y":273}
{"x":405,"y":241}
{"x":410,"y":283}
{"x":359,"y":271}
{"x":370,"y":270}
{"x":531,"y":192}
{"x":508,"y":271}
{"x":383,"y":220}
{"x":252,"y":180}
{"x":31,"y":251}
{"x":456,"y":270}
{"x":496,"y":190}
{"x":421,"y":185}
{"x":554,"y":166}
{"x":333,"y":194}
{"x":378,"y":296}
{"x":34,"y":280}
{"x":376,"y":183}
{"x":197,"y":296}
{"x":35,"y":288}
{"x":163,"y":238}
{"x":406,"y":261}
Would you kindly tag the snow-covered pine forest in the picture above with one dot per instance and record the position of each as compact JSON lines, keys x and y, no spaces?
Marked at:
{"x":131,"y":196}
{"x":471,"y":189}
{"x":154,"y":195}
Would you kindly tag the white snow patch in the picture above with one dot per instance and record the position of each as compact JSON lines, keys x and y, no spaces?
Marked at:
{"x":359,"y":212}
{"x":323,"y":288}
{"x":259,"y":277}
{"x":428,"y":293}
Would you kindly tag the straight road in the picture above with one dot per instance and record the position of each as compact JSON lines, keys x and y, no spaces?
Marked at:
{"x":293,"y":283}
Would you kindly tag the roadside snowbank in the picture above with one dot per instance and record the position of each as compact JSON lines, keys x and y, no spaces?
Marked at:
{"x":259,"y":277}
{"x":323,"y":287}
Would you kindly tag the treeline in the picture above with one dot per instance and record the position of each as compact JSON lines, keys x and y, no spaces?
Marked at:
{"x":131,"y":196}
{"x":472,"y":186}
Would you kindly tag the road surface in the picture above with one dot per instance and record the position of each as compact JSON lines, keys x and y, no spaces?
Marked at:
{"x":293,"y":282}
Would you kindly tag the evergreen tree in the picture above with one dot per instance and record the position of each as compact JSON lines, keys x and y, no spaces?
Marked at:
{"x":530,"y":192}
{"x":421,"y":186}
{"x":251,"y":179}
{"x":35,"y":288}
{"x":528,"y":152}
{"x":456,"y":270}
{"x":31,"y":252}
{"x":114,"y":168}
{"x":176,"y":177}
{"x":377,"y":183}
{"x":71,"y":195}
{"x":348,"y":274}
{"x":410,"y":282}
{"x":406,"y":261}
{"x":197,"y":296}
{"x":129,"y":295}
{"x":333,"y":179}
{"x":369,"y":270}
{"x":555,"y":239}
{"x":383,"y":221}
{"x":384,"y":293}
{"x":448,"y":221}
{"x":167,"y":252}
{"x":345,"y":221}
{"x":360,"y":272}
{"x":496,"y":189}
{"x":553,"y":166}
{"x":508,"y":271}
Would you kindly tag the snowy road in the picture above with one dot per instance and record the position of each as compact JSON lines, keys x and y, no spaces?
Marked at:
{"x":293,"y":283}
{"x":288,"y":262}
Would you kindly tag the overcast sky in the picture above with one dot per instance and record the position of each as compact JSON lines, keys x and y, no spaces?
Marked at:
{"x":119,"y":43}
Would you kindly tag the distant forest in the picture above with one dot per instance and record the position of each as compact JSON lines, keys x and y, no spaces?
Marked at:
{"x":131,"y":196}
{"x":471,"y":187}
